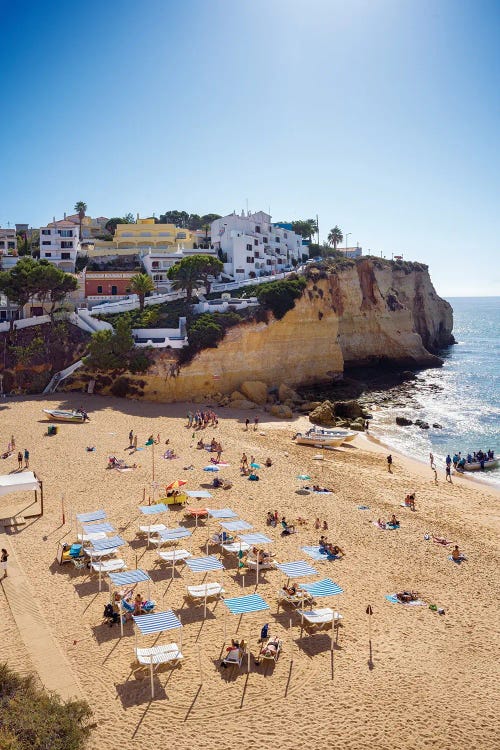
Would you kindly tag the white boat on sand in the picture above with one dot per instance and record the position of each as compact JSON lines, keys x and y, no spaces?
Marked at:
{"x":60,"y":415}
{"x":491,"y":463}
{"x":322,"y":437}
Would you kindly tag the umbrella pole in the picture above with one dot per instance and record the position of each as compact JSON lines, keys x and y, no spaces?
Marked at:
{"x":225,"y":626}
{"x":257,"y":568}
{"x":173,"y":565}
{"x":179,"y":618}
{"x":120,"y":611}
{"x":152,"y":678}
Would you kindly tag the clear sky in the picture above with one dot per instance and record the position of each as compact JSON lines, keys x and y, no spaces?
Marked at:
{"x":381,"y":116}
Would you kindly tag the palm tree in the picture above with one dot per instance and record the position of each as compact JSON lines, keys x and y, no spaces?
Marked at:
{"x":80,"y":208}
{"x":186,"y":275}
{"x":335,"y":237}
{"x":141,"y":284}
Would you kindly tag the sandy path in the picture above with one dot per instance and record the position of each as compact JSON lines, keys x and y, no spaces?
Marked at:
{"x":432,"y":681}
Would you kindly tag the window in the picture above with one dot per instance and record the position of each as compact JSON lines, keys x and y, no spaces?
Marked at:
{"x":250,"y":259}
{"x":277,"y":239}
{"x":249,"y":248}
{"x":257,"y":229}
{"x":285,"y":236}
{"x":47,"y":255}
{"x":11,"y":245}
{"x":65,"y":256}
{"x":181,"y":235}
{"x":256,"y":242}
{"x":240,"y":270}
{"x":46,"y":242}
{"x":99,"y":289}
{"x":45,"y":231}
{"x":66,"y":233}
{"x":265,"y":240}
{"x":114,"y":290}
{"x":67,"y":244}
{"x":257,"y":254}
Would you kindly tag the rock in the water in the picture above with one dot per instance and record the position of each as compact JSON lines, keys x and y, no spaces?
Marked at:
{"x":403,"y":421}
{"x":282,"y":411}
{"x":242,"y":403}
{"x":323,"y":414}
{"x":288,"y":394}
{"x":255,"y":390}
{"x":348,"y":409}
{"x":408,"y":375}
{"x":423,"y":425}
{"x":437,"y":426}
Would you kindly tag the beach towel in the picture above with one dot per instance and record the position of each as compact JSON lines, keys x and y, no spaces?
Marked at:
{"x":394,"y":600}
{"x":318,"y":554}
{"x":363,"y":507}
{"x":384,"y":528}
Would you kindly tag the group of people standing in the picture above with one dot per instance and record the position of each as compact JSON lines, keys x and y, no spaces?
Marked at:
{"x":199,"y":420}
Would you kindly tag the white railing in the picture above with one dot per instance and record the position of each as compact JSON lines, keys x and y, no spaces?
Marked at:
{"x":132,"y":303}
{"x":26,"y":322}
{"x":222,"y":305}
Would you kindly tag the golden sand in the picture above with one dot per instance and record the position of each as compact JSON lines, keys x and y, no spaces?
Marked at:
{"x":432,"y":681}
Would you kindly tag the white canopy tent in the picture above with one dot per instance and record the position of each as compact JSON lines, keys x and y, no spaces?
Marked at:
{"x":21,"y":482}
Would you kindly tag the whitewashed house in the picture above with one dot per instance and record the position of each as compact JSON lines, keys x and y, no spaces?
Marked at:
{"x":59,"y":244}
{"x":254,"y":246}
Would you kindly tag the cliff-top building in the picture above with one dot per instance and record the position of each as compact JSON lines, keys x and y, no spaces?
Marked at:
{"x":59,"y":244}
{"x":251,"y":245}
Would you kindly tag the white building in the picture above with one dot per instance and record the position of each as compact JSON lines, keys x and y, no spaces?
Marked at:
{"x":351,"y":252}
{"x":254,"y":246}
{"x":59,"y":244}
{"x":8,"y":249}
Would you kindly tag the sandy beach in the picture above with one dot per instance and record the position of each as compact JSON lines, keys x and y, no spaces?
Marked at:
{"x":432,"y":679}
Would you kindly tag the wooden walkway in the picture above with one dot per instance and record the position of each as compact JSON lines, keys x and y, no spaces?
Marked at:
{"x":49,"y":661}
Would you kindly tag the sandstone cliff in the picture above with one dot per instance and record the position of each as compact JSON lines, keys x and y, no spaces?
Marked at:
{"x":365,"y":312}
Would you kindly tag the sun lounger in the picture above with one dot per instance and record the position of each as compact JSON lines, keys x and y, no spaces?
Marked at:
{"x":171,"y":556}
{"x":235,"y":547}
{"x":205,"y":591}
{"x":108,"y":566}
{"x":234,"y":656}
{"x":153,"y":528}
{"x":95,"y":554}
{"x":271,"y":650}
{"x":317,"y":618}
{"x":267,"y":564}
{"x":92,"y":537}
{"x":300,"y":598}
{"x":164,"y":654}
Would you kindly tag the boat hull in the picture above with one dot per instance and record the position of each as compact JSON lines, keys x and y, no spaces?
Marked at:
{"x":492,"y":464}
{"x":317,"y":441}
{"x":64,"y":416}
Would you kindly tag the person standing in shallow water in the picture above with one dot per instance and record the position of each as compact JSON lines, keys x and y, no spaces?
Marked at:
{"x":389,"y":463}
{"x":448,"y":473}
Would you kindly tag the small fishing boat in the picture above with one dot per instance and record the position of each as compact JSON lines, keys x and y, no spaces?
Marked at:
{"x":491,"y":463}
{"x":322,"y":437}
{"x":59,"y":415}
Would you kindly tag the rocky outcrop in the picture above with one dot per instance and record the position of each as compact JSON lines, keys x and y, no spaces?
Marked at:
{"x":368,"y":312}
{"x":323,"y":415}
{"x":281,"y":411}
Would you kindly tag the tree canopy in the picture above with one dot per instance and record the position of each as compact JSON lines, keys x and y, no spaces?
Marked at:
{"x":305,"y":227}
{"x":111,"y":224}
{"x":33,"y":719}
{"x":193,"y":271}
{"x":185,"y":220}
{"x":36,"y":278}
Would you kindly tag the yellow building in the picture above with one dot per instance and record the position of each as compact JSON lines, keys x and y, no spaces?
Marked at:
{"x":130,"y":239}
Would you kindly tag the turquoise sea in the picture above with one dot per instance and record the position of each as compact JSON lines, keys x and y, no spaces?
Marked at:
{"x":463,"y":395}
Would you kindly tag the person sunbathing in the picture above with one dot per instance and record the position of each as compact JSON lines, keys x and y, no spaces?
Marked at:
{"x":268,"y":462}
{"x":381,"y":524}
{"x":410,"y":501}
{"x":407,"y":596}
{"x":335,"y":551}
{"x":200,"y":445}
{"x":393,"y":522}
{"x":322,"y":542}
{"x":288,"y":528}
{"x":290,"y":590}
{"x":441,"y":540}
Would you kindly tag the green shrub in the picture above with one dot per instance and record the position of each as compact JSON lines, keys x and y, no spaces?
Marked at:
{"x":139,"y":361}
{"x":33,"y":719}
{"x":204,"y":332}
{"x":280,"y":296}
{"x":121,"y":387}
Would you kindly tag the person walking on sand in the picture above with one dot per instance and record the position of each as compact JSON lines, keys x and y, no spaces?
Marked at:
{"x":389,"y":463}
{"x":3,"y":560}
{"x":135,"y":443}
{"x":26,"y":458}
{"x":448,"y":473}
{"x":435,"y":475}
{"x":247,"y":422}
{"x":431,"y":459}
{"x":130,"y":438}
{"x":19,"y":460}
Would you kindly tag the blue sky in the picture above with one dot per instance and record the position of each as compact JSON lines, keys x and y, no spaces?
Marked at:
{"x":381,"y":116}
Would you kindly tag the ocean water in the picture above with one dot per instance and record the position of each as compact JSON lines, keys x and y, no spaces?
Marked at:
{"x":463,"y":395}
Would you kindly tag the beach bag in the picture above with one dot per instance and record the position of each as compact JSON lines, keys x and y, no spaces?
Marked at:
{"x":108,"y":611}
